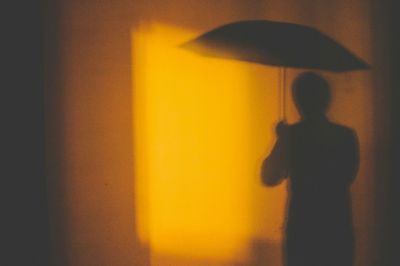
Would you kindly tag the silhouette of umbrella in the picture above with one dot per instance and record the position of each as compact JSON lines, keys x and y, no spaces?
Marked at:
{"x":277,"y":44}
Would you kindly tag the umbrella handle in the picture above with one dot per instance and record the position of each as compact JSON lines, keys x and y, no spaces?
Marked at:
{"x":282,"y":96}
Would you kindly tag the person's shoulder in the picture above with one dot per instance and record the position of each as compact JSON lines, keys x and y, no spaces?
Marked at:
{"x":343,"y":130}
{"x":295,"y":126}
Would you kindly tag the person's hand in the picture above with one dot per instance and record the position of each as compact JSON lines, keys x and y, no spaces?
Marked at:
{"x":282,"y":129}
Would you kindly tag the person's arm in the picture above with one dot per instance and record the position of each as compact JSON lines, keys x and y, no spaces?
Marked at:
{"x":275,"y":166}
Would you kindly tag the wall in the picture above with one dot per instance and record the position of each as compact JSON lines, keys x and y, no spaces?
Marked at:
{"x":93,"y":83}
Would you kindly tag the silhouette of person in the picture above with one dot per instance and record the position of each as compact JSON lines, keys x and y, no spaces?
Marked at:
{"x":320,"y":159}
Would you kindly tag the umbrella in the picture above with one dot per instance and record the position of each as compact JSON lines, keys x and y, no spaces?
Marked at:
{"x":277,"y":44}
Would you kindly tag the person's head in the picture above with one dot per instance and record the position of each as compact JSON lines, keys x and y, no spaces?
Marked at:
{"x":311,"y":94}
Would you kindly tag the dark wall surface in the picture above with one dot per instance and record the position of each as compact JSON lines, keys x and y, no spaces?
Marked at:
{"x":390,"y":227}
{"x":25,"y":217}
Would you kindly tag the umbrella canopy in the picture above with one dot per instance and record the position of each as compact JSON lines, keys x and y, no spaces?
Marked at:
{"x":277,"y":44}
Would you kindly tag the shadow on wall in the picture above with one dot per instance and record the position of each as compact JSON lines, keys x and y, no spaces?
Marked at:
{"x":320,"y":159}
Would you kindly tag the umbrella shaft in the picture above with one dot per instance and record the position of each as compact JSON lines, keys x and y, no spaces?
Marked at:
{"x":282,"y":93}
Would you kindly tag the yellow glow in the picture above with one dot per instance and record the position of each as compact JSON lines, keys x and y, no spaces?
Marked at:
{"x":201,"y":129}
